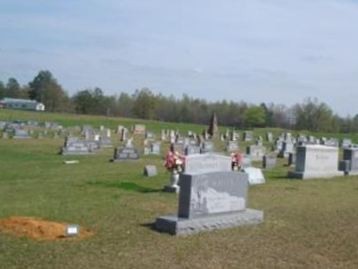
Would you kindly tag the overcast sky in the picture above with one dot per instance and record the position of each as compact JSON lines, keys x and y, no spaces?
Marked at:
{"x":277,"y":51}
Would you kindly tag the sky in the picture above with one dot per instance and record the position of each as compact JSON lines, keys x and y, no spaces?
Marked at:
{"x":279,"y":51}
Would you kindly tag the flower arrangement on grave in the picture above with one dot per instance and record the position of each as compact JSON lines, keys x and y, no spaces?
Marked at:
{"x":236,"y":160}
{"x":174,"y":161}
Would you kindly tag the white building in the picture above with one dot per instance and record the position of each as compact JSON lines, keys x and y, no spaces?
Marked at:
{"x":22,"y":104}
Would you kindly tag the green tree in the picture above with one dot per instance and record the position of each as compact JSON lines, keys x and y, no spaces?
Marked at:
{"x":45,"y":88}
{"x":315,"y":116}
{"x":13,"y":88}
{"x":2,"y":90}
{"x":144,"y":104}
{"x":254,"y":116}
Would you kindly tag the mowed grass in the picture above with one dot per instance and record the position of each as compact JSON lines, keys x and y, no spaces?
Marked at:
{"x":308,"y":224}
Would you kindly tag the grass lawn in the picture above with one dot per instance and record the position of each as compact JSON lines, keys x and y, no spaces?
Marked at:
{"x":308,"y":224}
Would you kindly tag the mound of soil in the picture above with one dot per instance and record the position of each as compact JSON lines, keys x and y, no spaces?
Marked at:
{"x":39,"y":229}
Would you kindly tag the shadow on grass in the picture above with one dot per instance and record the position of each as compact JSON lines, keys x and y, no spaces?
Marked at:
{"x":127,"y":186}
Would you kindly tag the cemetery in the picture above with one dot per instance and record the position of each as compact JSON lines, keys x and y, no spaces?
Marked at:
{"x":173,"y":194}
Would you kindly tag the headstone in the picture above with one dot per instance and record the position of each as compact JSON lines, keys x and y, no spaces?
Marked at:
{"x":139,"y":129}
{"x":150,"y":171}
{"x":332,"y":142}
{"x":207,"y":147}
{"x":248,"y":136}
{"x":232,"y":146}
{"x":350,"y":156}
{"x":76,"y":148}
{"x":269,"y":161}
{"x":246,"y":161}
{"x":154,"y":149}
{"x":205,"y":163}
{"x":269,"y":137}
{"x":124,"y":133}
{"x":105,"y":142}
{"x":316,"y":161}
{"x":291,"y":159}
{"x":125,"y":154}
{"x":256,"y":152}
{"x":346,"y":143}
{"x":213,"y":127}
{"x":255,"y":175}
{"x":210,"y":199}
{"x":192,"y":149}
{"x":287,"y":148}
{"x":21,"y":134}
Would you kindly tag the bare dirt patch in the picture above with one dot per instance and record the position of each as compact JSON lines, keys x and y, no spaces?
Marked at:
{"x":39,"y":229}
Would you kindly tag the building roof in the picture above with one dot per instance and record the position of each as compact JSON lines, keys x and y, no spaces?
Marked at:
{"x":15,"y":100}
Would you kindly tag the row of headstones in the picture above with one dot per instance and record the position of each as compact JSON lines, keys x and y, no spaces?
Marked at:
{"x":29,"y":124}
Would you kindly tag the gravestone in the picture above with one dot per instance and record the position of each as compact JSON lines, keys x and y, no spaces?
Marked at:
{"x":205,"y":163}
{"x":211,"y":197}
{"x":76,"y":148}
{"x":332,"y":142}
{"x":269,"y":162}
{"x":350,"y":159}
{"x":139,"y":129}
{"x":126,"y":153}
{"x":248,"y":136}
{"x":154,"y":149}
{"x":232,"y":146}
{"x":269,"y":137}
{"x":192,"y":149}
{"x":150,"y":171}
{"x":346,"y":143}
{"x":246,"y":161}
{"x":213,"y":127}
{"x":21,"y":134}
{"x":255,"y":175}
{"x":256,"y":152}
{"x":292,"y":159}
{"x":105,"y":142}
{"x":287,"y":148}
{"x":315,"y":161}
{"x":207,"y":147}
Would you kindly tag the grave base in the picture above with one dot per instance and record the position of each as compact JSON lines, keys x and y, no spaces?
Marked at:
{"x":310,"y":175}
{"x":65,"y":153}
{"x":171,"y":189}
{"x":182,"y":226}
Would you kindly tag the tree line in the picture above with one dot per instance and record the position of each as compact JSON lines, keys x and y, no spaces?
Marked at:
{"x":311,"y":114}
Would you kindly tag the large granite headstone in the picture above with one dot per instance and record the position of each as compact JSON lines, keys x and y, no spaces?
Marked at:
{"x":316,"y":161}
{"x":212,"y":198}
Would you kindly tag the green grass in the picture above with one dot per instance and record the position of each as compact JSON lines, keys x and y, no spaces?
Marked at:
{"x":308,"y":224}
